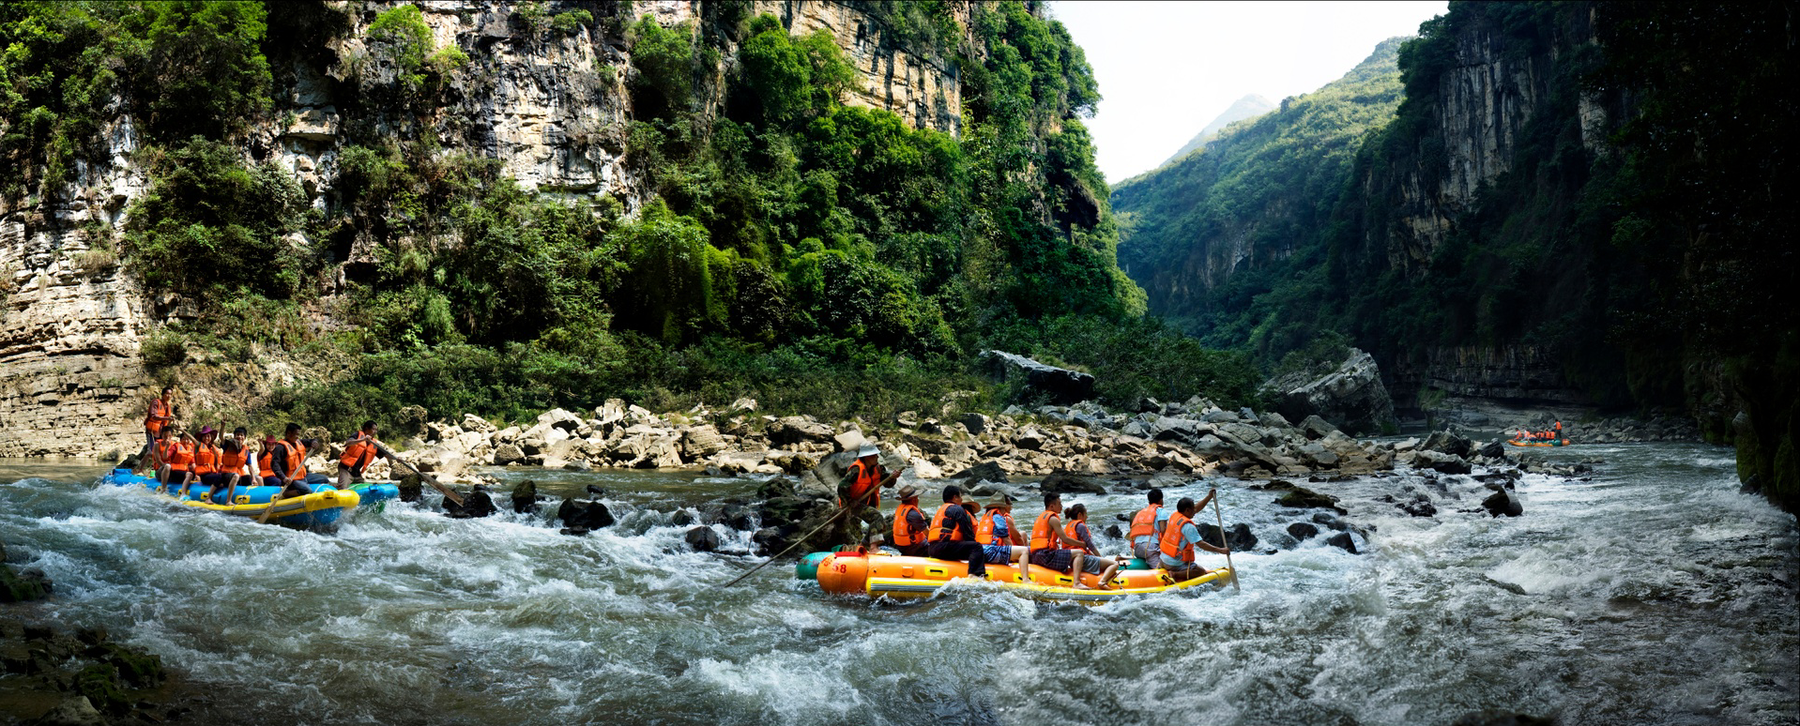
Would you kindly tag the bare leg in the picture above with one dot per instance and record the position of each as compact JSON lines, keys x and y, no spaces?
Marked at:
{"x":1107,"y":575}
{"x":1075,"y":570}
{"x":231,"y":489}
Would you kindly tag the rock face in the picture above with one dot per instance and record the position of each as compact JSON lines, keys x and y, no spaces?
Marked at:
{"x":1351,"y":396}
{"x":1059,"y":385}
{"x":549,"y":105}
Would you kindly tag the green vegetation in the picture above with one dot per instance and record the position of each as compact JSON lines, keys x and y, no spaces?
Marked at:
{"x":1654,"y":266}
{"x":821,"y":258}
{"x":1267,"y":187}
{"x":186,"y":68}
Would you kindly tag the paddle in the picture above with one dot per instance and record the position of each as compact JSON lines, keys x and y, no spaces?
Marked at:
{"x":389,"y":453}
{"x":1222,"y":540}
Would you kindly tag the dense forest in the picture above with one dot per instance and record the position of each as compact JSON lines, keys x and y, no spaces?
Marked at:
{"x":821,"y":257}
{"x":1655,"y":265}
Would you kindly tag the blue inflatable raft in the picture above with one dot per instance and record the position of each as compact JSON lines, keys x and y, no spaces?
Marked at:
{"x":323,"y":508}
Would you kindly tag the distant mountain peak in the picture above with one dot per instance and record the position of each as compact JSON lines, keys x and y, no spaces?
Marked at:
{"x":1248,"y":107}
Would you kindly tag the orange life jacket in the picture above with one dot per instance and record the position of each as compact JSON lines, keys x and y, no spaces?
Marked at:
{"x":985,"y":529}
{"x":162,"y":450}
{"x":206,"y":459}
{"x":942,"y":529}
{"x":1174,"y":547}
{"x":232,"y":462}
{"x":179,"y":456}
{"x":354,"y":453}
{"x":296,"y":460}
{"x":1070,"y":528}
{"x":265,"y":464}
{"x":1043,"y":533}
{"x":1143,"y":523}
{"x":903,"y":532}
{"x":158,"y":411}
{"x":863,"y":480}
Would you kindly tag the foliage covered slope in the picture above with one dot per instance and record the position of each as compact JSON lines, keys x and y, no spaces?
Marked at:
{"x":820,"y":257}
{"x":1657,"y":269}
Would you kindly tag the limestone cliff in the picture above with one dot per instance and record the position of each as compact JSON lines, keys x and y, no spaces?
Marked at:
{"x":547,"y":101}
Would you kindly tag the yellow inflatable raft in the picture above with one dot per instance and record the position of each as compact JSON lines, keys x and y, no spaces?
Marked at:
{"x":898,"y":576}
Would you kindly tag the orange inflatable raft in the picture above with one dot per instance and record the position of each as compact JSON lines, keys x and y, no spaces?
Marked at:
{"x":897,"y":576}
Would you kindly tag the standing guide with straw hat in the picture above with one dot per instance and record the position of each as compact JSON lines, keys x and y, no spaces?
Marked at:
{"x":859,"y":492}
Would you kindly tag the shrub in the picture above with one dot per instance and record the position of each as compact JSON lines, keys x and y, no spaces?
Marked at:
{"x":163,"y":348}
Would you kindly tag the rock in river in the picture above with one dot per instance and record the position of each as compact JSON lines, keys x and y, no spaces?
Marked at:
{"x":1067,"y":482}
{"x":703,"y":539}
{"x":1503,"y":502}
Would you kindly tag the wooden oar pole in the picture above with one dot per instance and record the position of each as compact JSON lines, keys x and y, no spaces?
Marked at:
{"x":429,"y":479}
{"x":1222,"y":540}
{"x":797,"y":543}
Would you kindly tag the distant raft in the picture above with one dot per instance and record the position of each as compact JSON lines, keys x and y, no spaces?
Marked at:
{"x":1538,"y":442}
{"x":323,"y":508}
{"x":899,"y":577}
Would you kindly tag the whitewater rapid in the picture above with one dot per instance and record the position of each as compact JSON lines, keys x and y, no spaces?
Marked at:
{"x":1653,"y":593}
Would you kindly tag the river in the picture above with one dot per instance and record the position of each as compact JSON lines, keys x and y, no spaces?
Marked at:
{"x":1653,"y":593}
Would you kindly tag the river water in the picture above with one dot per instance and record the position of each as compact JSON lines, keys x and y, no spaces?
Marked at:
{"x":1653,"y":593}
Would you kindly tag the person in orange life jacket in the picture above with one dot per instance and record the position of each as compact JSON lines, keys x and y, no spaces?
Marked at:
{"x":288,"y":460}
{"x":359,"y":453}
{"x":953,"y":534}
{"x":1052,"y":547}
{"x":177,"y":460}
{"x":1077,"y":528}
{"x":910,"y":526}
{"x":158,"y":450}
{"x":265,"y":462}
{"x":997,"y":534}
{"x":206,"y":462}
{"x":233,"y":466}
{"x":860,"y":493}
{"x":162,"y":413}
{"x":1180,"y":538}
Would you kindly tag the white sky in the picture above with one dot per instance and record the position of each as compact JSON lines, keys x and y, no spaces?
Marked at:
{"x":1167,"y":68}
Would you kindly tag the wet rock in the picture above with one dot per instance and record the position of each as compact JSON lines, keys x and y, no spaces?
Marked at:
{"x":475,"y":504}
{"x":1493,"y":450}
{"x":681,"y":518}
{"x":1060,"y":385}
{"x":73,"y":711}
{"x":1300,"y":497}
{"x":1448,"y":442}
{"x":524,"y":497}
{"x":1342,"y":541}
{"x":1302,"y":531}
{"x":411,"y":488}
{"x":1419,"y":506}
{"x":1113,"y":531}
{"x":1503,"y":502}
{"x":99,"y":685}
{"x":1325,"y":520}
{"x":1439,"y":461}
{"x":23,"y":585}
{"x":1068,"y":482}
{"x":1239,"y":536}
{"x":985,"y":471}
{"x":702,"y":539}
{"x":584,"y":515}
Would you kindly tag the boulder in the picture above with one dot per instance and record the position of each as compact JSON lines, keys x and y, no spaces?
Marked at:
{"x":792,"y":430}
{"x":985,"y":471}
{"x":743,"y":405}
{"x":1342,"y":541}
{"x":477,"y":424}
{"x":1448,"y":442}
{"x":1063,"y":481}
{"x":1503,"y":502}
{"x":559,"y":418}
{"x":701,"y":442}
{"x":1299,"y":497}
{"x":582,"y":516}
{"x":976,"y":423}
{"x":1351,"y":395}
{"x":1239,"y":536}
{"x":1059,"y":385}
{"x":1495,"y":449}
{"x":476,"y":503}
{"x":1438,"y":461}
{"x":1029,"y":439}
{"x":1302,"y":530}
{"x":524,"y":497}
{"x":702,"y":539}
{"x":23,"y":585}
{"x":72,"y":711}
{"x":1316,"y":428}
{"x":411,"y":488}
{"x":508,"y":454}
